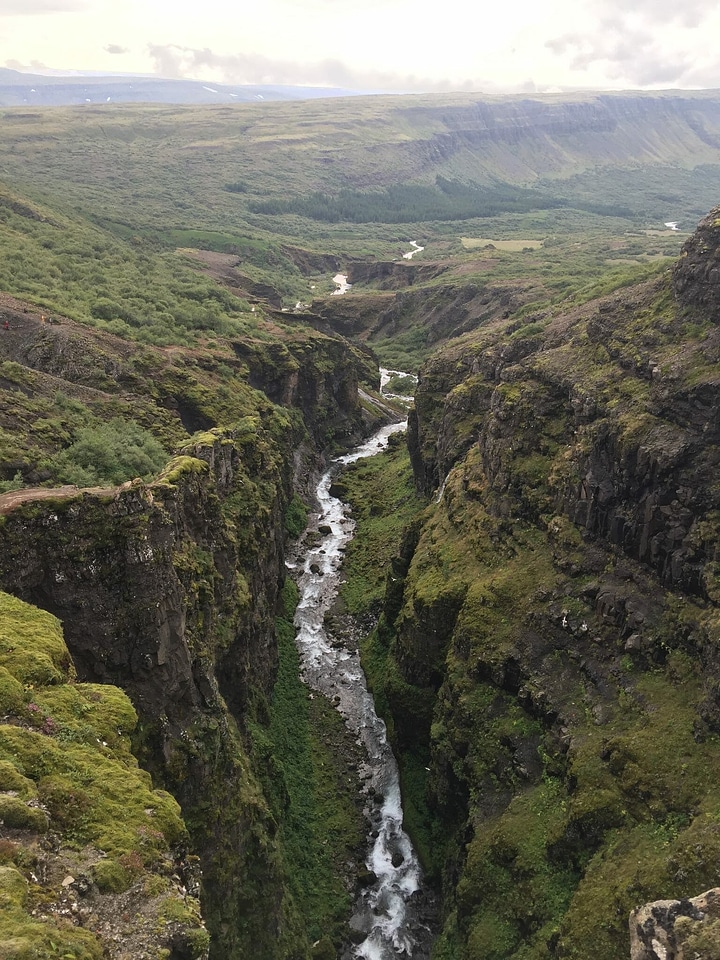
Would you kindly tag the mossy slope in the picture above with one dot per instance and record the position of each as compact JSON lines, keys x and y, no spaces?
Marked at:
{"x":83,"y":829}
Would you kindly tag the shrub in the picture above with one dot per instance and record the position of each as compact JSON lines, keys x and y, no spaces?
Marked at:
{"x":295,"y":517}
{"x":7,"y":485}
{"x":109,"y":453}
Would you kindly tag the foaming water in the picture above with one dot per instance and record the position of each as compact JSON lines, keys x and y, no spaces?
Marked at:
{"x":384,"y":916}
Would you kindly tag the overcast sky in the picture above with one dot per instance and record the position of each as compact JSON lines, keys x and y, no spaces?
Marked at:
{"x":401,"y":45}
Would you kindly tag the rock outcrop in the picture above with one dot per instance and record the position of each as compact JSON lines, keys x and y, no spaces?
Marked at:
{"x":169,"y":590}
{"x":677,"y":929}
{"x":696,"y":278}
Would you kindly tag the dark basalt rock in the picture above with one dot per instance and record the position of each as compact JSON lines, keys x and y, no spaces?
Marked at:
{"x":696,"y":277}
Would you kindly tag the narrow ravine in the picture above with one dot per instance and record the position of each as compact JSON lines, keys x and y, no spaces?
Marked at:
{"x":387,"y":921}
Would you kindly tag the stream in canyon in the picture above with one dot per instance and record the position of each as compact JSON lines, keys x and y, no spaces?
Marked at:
{"x":390,"y":915}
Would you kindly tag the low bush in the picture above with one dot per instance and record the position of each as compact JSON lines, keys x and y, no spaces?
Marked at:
{"x":109,"y":453}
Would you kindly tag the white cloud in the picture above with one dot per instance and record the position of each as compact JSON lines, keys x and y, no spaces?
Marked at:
{"x":649,"y":44}
{"x":174,"y":61}
{"x":689,"y":13}
{"x":378,"y":44}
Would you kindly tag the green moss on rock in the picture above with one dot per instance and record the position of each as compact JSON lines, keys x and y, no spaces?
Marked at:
{"x":23,"y":938}
{"x":12,"y":780}
{"x":14,"y":812}
{"x":179,"y":467}
{"x":67,"y":746}
{"x":111,"y":877}
{"x":13,"y":888}
{"x":12,"y":694}
{"x":32,"y":648}
{"x":698,"y":939}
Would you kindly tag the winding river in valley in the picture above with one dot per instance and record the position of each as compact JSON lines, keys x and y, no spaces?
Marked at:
{"x":388,"y":919}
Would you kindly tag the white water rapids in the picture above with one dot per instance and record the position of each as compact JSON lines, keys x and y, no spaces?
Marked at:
{"x":381,"y":914}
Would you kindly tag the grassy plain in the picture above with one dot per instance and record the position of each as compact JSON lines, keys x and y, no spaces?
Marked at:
{"x":511,"y":246}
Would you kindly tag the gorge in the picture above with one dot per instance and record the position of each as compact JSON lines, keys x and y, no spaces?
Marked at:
{"x":532,"y":585}
{"x":384,"y":915}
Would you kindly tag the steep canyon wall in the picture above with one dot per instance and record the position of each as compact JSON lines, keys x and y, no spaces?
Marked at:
{"x":552,"y":622}
{"x":169,"y":590}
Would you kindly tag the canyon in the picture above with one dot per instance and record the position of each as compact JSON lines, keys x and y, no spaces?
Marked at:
{"x":537,"y":620}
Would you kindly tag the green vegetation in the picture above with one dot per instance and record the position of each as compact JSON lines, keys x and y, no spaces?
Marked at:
{"x":585,"y":837}
{"x":66,"y":766}
{"x":85,"y":243}
{"x":311,"y":788}
{"x":109,"y":453}
{"x":157,"y":242}
{"x":295,"y":517}
{"x":24,"y":938}
{"x":402,"y":385}
{"x":74,"y":269}
{"x":383,"y":500}
{"x":513,"y":246}
{"x":95,"y":793}
{"x":413,"y":203}
{"x":567,"y":752}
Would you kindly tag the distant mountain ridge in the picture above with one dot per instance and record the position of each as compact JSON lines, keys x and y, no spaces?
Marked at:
{"x":19,"y":89}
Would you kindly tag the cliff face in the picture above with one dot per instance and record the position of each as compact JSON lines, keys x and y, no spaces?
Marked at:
{"x":510,"y":131}
{"x":169,"y":590}
{"x":150,"y":578}
{"x":696,"y":278}
{"x":556,"y":616}
{"x":319,"y":377}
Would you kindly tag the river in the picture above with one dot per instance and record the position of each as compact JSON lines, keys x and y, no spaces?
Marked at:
{"x":388,"y":915}
{"x":411,"y":253}
{"x":341,"y":281}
